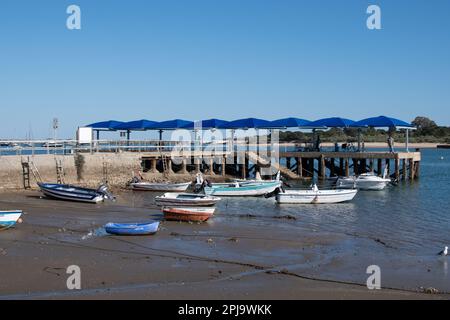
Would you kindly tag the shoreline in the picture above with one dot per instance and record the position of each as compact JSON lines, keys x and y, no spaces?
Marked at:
{"x":375,"y":145}
{"x":229,"y":257}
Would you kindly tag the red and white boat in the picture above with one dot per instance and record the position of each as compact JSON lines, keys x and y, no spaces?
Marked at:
{"x":188,"y":213}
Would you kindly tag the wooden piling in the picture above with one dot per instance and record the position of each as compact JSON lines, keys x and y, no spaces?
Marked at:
{"x":332,"y":169}
{"x":347,"y":167}
{"x":397,"y":168}
{"x":404,"y":169}
{"x":223,"y":166}
{"x":322,"y":168}
{"x":299,"y":167}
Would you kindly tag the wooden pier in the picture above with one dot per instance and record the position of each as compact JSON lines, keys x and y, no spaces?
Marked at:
{"x":293,"y":165}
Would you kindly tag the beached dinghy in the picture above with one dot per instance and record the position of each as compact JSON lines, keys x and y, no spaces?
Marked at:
{"x":239,"y":189}
{"x":188,"y":213}
{"x":9,"y":218}
{"x":73,"y":193}
{"x":164,"y":187}
{"x":314,"y":195}
{"x":186,"y":199}
{"x":366,"y":181}
{"x":132,"y":229}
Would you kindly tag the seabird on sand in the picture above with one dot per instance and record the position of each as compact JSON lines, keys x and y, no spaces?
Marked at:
{"x":444,"y":252}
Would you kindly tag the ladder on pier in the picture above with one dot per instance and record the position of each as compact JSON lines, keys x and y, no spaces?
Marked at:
{"x":59,"y":171}
{"x":105,"y":172}
{"x":28,"y":167}
{"x":163,"y":161}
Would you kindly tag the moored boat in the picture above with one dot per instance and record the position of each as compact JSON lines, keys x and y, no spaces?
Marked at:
{"x":186,"y":199}
{"x":188,"y":213}
{"x":314,"y":196}
{"x":73,"y":193}
{"x":132,"y":229}
{"x":165,"y":187}
{"x":242,"y":189}
{"x":9,"y":218}
{"x":366,"y":181}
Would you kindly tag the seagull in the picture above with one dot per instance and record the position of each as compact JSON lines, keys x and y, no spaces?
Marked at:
{"x":444,"y":252}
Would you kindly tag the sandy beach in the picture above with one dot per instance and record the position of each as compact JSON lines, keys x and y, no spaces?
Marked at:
{"x":225,"y":258}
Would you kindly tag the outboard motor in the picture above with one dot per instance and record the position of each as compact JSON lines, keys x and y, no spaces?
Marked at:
{"x":103,"y":189}
{"x":274,"y":192}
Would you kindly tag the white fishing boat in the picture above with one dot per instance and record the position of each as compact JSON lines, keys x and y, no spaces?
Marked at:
{"x":9,"y":218}
{"x":366,"y":181}
{"x":164,"y":187}
{"x":186,"y":199}
{"x":315,"y":196}
{"x":239,"y":189}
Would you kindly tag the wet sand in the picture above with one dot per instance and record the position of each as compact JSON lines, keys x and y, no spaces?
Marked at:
{"x":225,"y":258}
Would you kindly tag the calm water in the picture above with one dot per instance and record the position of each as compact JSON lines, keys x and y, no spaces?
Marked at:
{"x":401,"y":228}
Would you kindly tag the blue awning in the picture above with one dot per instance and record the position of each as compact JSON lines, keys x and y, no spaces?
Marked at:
{"x":206,"y":124}
{"x":383,"y":122}
{"x":138,"y":125}
{"x":290,"y":123}
{"x":105,"y":125}
{"x":332,"y":123}
{"x":171,"y":124}
{"x":247,"y":124}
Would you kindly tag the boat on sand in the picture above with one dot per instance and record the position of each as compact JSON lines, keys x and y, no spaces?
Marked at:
{"x":186,"y":199}
{"x":132,"y":229}
{"x":73,"y":193}
{"x":188,"y":213}
{"x":9,"y":218}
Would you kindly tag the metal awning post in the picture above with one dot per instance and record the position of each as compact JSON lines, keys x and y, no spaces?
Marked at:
{"x":407,"y":140}
{"x":359,"y":140}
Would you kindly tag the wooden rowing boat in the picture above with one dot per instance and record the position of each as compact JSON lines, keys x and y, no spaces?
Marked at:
{"x":188,"y":213}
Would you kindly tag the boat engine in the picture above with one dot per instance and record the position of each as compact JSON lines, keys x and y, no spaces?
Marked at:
{"x":104,"y":190}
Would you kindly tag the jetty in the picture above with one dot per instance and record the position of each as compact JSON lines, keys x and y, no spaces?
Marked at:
{"x":292,"y":164}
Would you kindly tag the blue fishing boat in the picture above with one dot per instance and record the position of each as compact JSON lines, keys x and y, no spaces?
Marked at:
{"x":9,"y":218}
{"x":132,"y":229}
{"x":73,"y":193}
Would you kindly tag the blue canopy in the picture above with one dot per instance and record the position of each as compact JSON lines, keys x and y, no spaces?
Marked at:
{"x":105,"y":125}
{"x":171,"y":124}
{"x":207,"y":124}
{"x":247,"y":124}
{"x":290,"y":123}
{"x":332,"y":123}
{"x":383,"y":122}
{"x":138,"y":125}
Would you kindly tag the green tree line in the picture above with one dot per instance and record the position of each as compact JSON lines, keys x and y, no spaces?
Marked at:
{"x":426,"y":131}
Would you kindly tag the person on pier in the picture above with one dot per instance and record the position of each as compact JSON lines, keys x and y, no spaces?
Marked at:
{"x":390,"y":142}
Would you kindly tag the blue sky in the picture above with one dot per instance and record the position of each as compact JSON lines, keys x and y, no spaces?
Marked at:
{"x":199,"y":59}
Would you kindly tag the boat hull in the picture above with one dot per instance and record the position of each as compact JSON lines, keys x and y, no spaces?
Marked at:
{"x":245,"y":190}
{"x":312,"y":197}
{"x":186,"y":200}
{"x":9,"y":218}
{"x":162,"y":187}
{"x":363,"y":184}
{"x":71,"y":193}
{"x":188,"y":214}
{"x":132,"y":229}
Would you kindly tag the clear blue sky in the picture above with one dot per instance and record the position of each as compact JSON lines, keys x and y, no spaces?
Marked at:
{"x":227,"y":59}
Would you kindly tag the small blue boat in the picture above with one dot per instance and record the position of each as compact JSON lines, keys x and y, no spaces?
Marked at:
{"x":132,"y":229}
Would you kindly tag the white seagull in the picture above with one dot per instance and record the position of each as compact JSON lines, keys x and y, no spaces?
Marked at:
{"x":444,"y":252}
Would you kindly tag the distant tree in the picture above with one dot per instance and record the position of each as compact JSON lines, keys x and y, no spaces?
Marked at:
{"x":424,"y":125}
